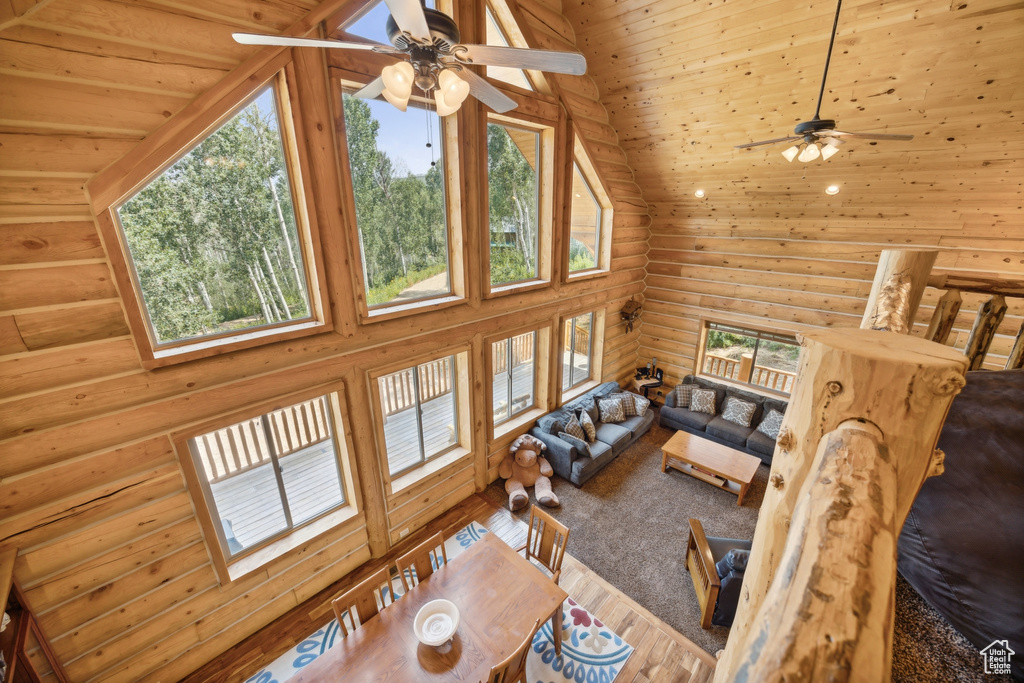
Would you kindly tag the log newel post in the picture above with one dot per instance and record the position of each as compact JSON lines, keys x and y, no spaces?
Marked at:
{"x":944,"y":316}
{"x":1015,"y":360}
{"x":896,"y":292}
{"x":860,"y":435}
{"x":990,"y":315}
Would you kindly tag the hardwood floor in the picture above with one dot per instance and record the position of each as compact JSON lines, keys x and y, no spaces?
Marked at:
{"x":661,"y":653}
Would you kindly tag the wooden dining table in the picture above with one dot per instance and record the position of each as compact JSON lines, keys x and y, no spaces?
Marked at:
{"x":500,"y":595}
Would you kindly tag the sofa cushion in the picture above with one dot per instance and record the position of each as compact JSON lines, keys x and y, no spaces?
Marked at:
{"x":703,"y":401}
{"x":616,"y":436}
{"x":611,"y":409}
{"x":687,"y":417}
{"x":601,"y":453}
{"x":719,"y":389}
{"x":729,"y":431}
{"x":771,"y":424}
{"x":761,"y":443}
{"x":774,"y":404}
{"x":582,"y":447}
{"x":738,"y":411}
{"x":638,"y":424}
{"x":551,"y":423}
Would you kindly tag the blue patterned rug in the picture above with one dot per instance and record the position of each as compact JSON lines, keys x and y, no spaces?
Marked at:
{"x":591,"y":652}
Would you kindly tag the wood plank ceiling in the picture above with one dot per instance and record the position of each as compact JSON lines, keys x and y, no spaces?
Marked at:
{"x":686,"y":81}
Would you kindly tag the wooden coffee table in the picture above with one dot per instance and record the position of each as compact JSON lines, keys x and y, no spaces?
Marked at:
{"x":708,"y":461}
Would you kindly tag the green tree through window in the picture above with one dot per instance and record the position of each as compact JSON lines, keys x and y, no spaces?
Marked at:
{"x":213,"y":239}
{"x":512,"y":168}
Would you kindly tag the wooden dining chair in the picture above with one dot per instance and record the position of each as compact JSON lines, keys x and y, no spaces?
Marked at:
{"x":364,"y":600}
{"x":545,"y":541}
{"x":420,"y":562}
{"x":513,"y":669}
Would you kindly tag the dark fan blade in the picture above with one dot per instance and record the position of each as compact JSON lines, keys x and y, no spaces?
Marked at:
{"x":487,"y":93}
{"x":769,"y":142}
{"x":542,"y":60}
{"x":256,"y":39}
{"x":864,"y":136}
{"x":408,"y":14}
{"x":371,"y":89}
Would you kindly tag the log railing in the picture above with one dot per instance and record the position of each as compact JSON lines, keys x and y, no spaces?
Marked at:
{"x":761,"y":375}
{"x":398,"y":390}
{"x":232,"y":450}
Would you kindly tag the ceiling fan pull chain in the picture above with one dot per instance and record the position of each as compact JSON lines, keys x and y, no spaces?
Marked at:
{"x":828,"y":58}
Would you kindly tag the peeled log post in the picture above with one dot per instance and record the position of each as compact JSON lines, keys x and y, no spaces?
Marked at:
{"x":944,"y":316}
{"x":896,"y":293}
{"x":985,"y":325}
{"x":828,"y":613}
{"x":902,"y":385}
{"x":1015,"y":361}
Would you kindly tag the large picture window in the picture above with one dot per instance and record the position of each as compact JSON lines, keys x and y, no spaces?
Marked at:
{"x":398,"y":183}
{"x":266,"y":475}
{"x":763,"y":359}
{"x":513,"y":178}
{"x":419,"y":407}
{"x":577,"y":351}
{"x":514,"y":367}
{"x":214,"y":241}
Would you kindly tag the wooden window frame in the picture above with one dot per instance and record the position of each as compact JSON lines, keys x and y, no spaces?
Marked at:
{"x":344,"y":79}
{"x":347,"y":515}
{"x":596,"y":353}
{"x":754,"y":331}
{"x":463,"y":418}
{"x":113,"y":192}
{"x":581,"y":158}
{"x":536,"y":113}
{"x":542,"y":372}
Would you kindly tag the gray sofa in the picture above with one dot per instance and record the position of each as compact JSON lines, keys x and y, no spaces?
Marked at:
{"x":718,"y":429}
{"x":612,"y":438}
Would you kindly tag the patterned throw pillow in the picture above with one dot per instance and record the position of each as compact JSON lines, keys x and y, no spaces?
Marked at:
{"x":738,"y":411}
{"x":703,"y":401}
{"x":581,"y":446}
{"x":588,"y":425}
{"x":771,"y":424}
{"x":641,"y":404}
{"x":611,"y":410}
{"x":574,"y":428}
{"x":683,"y":393}
{"x":628,"y":404}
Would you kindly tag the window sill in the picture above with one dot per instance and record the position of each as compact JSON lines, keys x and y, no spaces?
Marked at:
{"x":243,"y":340}
{"x":587,"y":274}
{"x":579,"y":390}
{"x":258,"y":558}
{"x":428,"y":468}
{"x":392,"y":311}
{"x":518,"y":422}
{"x":516,"y":288}
{"x":752,"y":388}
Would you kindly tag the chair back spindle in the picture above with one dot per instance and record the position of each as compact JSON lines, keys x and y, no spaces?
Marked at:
{"x":420,"y":562}
{"x":363,"y":601}
{"x":546,"y":540}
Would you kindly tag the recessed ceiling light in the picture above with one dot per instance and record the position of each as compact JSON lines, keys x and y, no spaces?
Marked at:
{"x":699,"y":194}
{"x":832,"y":189}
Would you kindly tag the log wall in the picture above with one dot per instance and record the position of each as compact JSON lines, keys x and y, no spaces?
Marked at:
{"x":685,"y":82}
{"x":111,"y":553}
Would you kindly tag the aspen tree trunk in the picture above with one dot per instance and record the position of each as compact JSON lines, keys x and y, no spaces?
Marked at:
{"x":277,"y":287}
{"x":259,"y":294}
{"x":896,"y":385}
{"x":900,"y":280}
{"x":299,"y":283}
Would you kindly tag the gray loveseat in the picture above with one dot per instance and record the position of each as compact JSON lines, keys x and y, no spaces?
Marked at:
{"x":612,"y":438}
{"x":718,"y":429}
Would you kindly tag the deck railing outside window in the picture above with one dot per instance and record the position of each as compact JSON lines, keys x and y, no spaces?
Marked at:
{"x":512,"y":362}
{"x":762,"y":359}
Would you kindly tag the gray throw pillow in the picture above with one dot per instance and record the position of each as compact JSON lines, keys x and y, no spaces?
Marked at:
{"x":574,"y":428}
{"x":738,"y":411}
{"x":588,"y":425}
{"x":683,"y":393}
{"x":581,"y":446}
{"x":771,"y":424}
{"x":550,"y":424}
{"x":628,"y":404}
{"x":703,"y":401}
{"x":611,"y":410}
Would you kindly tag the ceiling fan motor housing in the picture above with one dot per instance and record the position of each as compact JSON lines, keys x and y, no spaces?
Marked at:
{"x":443,"y":31}
{"x":813,"y":126}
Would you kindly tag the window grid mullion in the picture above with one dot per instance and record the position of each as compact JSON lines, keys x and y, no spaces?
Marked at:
{"x":419,"y":413}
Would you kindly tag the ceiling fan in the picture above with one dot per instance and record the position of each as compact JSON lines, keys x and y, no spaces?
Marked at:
{"x":429,"y":42}
{"x":818,"y":129}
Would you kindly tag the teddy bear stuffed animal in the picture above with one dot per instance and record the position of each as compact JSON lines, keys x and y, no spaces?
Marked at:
{"x":524,"y":466}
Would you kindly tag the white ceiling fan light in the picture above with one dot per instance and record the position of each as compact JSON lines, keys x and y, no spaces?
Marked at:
{"x":451,"y":92}
{"x":398,"y":79}
{"x":791,"y":153}
{"x":810,"y":153}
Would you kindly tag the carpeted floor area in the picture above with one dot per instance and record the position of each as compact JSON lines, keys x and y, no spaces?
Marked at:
{"x":629,"y":524}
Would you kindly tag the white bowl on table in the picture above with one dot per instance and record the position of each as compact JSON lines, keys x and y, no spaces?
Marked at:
{"x":436,"y":622}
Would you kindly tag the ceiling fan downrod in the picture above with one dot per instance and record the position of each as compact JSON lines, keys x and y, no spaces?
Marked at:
{"x":828,"y":58}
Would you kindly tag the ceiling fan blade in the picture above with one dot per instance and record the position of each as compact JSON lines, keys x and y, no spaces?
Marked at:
{"x":519,"y":58}
{"x":769,"y":142}
{"x":409,"y":16}
{"x":866,"y":136}
{"x":487,"y":93}
{"x":256,"y":39}
{"x":371,"y":90}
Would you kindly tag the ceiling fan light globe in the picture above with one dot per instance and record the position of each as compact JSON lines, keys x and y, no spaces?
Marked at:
{"x":400,"y":103}
{"x":398,"y":79}
{"x":453,"y":89}
{"x":791,"y":153}
{"x":810,"y":153}
{"x":827,"y":151}
{"x":443,"y":108}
